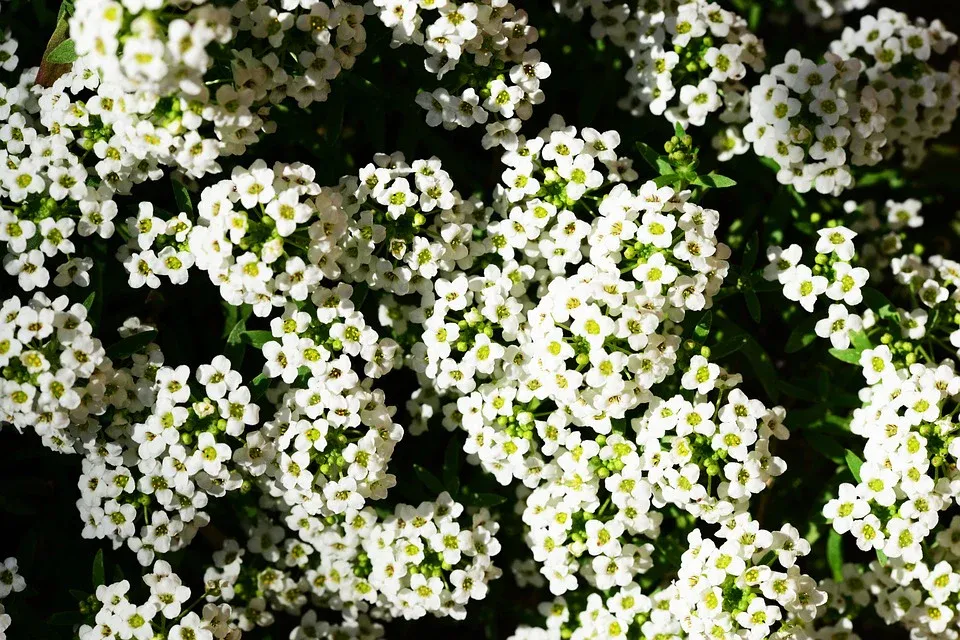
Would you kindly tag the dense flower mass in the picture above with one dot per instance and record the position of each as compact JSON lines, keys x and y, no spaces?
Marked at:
{"x":324,"y":360}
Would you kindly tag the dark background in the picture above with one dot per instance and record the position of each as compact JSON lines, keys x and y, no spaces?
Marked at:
{"x":372,"y":109}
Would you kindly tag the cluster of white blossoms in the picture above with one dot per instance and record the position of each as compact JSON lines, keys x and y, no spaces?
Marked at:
{"x":10,"y":582}
{"x":833,"y":274}
{"x":165,"y":451}
{"x":908,"y":474}
{"x":487,"y":43}
{"x":407,"y":225}
{"x":910,"y":402}
{"x":327,"y":445}
{"x":223,"y":63}
{"x":54,"y":375}
{"x":687,"y":59}
{"x":730,"y":586}
{"x":266,"y":236}
{"x":596,"y":508}
{"x":875,"y":94}
{"x":427,"y":559}
{"x":916,"y":101}
{"x":164,"y":613}
{"x":909,"y":470}
{"x":923,"y":596}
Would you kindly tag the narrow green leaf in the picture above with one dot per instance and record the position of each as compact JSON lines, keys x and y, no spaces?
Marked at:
{"x":716,"y":181}
{"x":65,"y":618}
{"x":649,"y":156}
{"x":802,"y":334}
{"x":875,"y":299}
{"x":258,"y":386}
{"x":678,"y":130}
{"x":851,"y":356}
{"x":826,"y":445}
{"x":181,"y":195}
{"x":97,"y":575}
{"x":451,"y":465}
{"x":702,"y":330}
{"x":63,"y":53}
{"x":835,"y":554}
{"x":665,"y":180}
{"x":753,"y":305}
{"x":429,"y":480}
{"x":257,"y":338}
{"x":130,"y":345}
{"x":484,"y":499}
{"x":88,"y":301}
{"x":762,"y":366}
{"x":854,"y":463}
{"x":860,"y":341}
{"x":728,"y":346}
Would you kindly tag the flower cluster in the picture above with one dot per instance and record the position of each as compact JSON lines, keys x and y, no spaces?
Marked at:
{"x":745,"y":584}
{"x":116,"y":616}
{"x":687,"y":59}
{"x":407,"y":225}
{"x":54,"y":374}
{"x":599,"y":495}
{"x":165,"y":451}
{"x":429,"y":558}
{"x":266,"y":236}
{"x":488,"y":43}
{"x":327,"y":445}
{"x":833,"y":275}
{"x":875,"y":94}
{"x":912,"y":100}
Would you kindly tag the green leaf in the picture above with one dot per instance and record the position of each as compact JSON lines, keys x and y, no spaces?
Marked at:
{"x":882,"y":557}
{"x":130,"y":345}
{"x":80,"y":596}
{"x":851,"y":356}
{"x":762,"y":367}
{"x":181,"y":195}
{"x":97,"y":574}
{"x":484,"y":499}
{"x":796,"y":391}
{"x":835,"y":554}
{"x":665,"y":180}
{"x":728,"y":346}
{"x":802,"y":335}
{"x":753,"y":305}
{"x":65,"y":619}
{"x":257,"y":338}
{"x":63,"y":53}
{"x":715,"y":181}
{"x":429,"y":480}
{"x":66,"y":10}
{"x":649,"y":156}
{"x":451,"y":465}
{"x":88,"y":301}
{"x":702,"y":330}
{"x":860,"y":341}
{"x":678,"y":130}
{"x":875,"y":299}
{"x":259,"y":386}
{"x":826,"y":445}
{"x":853,"y":463}
{"x":238,"y":318}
